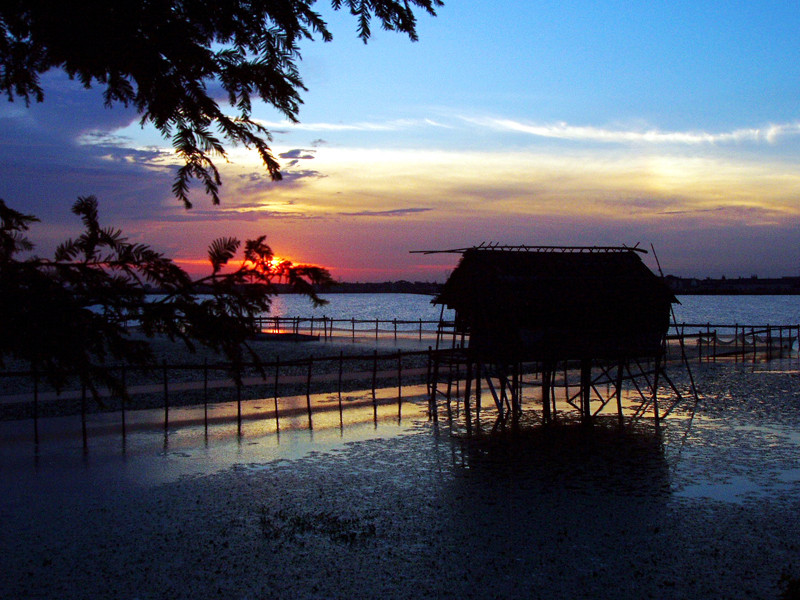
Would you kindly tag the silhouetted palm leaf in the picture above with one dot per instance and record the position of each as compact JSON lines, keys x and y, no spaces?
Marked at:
{"x":221,"y":251}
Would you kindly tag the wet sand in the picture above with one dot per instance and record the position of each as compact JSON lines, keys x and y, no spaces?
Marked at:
{"x":425,"y":510}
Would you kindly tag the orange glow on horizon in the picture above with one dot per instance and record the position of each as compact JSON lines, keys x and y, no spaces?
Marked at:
{"x":199,"y":267}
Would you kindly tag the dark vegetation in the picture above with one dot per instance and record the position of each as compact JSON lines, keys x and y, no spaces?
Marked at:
{"x":174,"y":59}
{"x":70,"y":315}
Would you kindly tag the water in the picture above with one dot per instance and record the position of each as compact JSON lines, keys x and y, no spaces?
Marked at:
{"x":745,"y":310}
{"x":403,"y":307}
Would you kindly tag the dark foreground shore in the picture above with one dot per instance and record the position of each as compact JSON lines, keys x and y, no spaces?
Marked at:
{"x":707,"y":510}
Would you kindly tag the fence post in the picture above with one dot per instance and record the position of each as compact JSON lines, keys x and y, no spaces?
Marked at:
{"x":239,"y":399}
{"x":374,"y":374}
{"x":341,"y":367}
{"x":399,"y":379}
{"x":205,"y":393}
{"x":769,"y":342}
{"x":353,"y":327}
{"x":420,"y":330}
{"x":308,"y":393}
{"x":432,"y":412}
{"x":83,"y":415}
{"x":166,"y":396}
{"x":394,"y":322}
{"x":275,"y":392}
{"x":122,"y":400}
{"x":35,"y":404}
{"x":376,"y":329}
{"x":341,"y":360}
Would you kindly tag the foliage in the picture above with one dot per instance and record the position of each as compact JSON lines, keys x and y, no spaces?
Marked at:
{"x":169,"y":59}
{"x":70,"y":315}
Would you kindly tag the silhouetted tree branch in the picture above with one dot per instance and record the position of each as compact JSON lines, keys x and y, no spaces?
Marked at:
{"x":71,"y":315}
{"x":168,"y":59}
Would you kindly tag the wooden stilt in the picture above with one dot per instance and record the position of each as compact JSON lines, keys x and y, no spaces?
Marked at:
{"x":547,"y":377}
{"x":478,"y":370}
{"x":618,"y":383}
{"x":467,"y":389}
{"x":586,"y":388}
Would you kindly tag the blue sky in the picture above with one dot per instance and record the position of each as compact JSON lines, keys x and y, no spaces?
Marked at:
{"x":674,"y":123}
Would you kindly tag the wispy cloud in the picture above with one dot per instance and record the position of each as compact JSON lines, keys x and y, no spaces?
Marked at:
{"x":397,"y":212}
{"x":391,"y":125}
{"x":770,"y":133}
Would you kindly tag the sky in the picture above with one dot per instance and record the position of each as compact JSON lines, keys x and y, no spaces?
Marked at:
{"x":672,"y":124}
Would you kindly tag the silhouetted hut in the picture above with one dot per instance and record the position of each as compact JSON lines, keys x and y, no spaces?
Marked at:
{"x":557,"y":304}
{"x":553,"y":305}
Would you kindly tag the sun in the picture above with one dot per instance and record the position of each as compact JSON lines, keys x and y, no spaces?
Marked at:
{"x":277,"y":263}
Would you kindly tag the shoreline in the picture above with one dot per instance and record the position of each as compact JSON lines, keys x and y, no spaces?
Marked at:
{"x":601,"y":513}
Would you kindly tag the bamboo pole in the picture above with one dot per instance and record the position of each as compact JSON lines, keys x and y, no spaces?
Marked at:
{"x":399,"y":378}
{"x":620,"y":372}
{"x":83,"y":416}
{"x":478,"y":375}
{"x":35,"y":405}
{"x":341,"y":357}
{"x":122,"y":399}
{"x":239,"y":400}
{"x":166,"y":396}
{"x":205,"y":393}
{"x":374,"y":376}
{"x":275,"y":392}
{"x":308,"y":393}
{"x":586,"y":386}
{"x":547,"y":374}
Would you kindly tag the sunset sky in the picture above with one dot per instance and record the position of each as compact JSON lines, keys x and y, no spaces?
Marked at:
{"x":547,"y":123}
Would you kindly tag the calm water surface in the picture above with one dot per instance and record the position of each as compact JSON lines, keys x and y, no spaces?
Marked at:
{"x":749,"y":310}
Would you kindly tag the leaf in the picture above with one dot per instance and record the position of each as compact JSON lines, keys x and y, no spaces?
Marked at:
{"x":221,"y":251}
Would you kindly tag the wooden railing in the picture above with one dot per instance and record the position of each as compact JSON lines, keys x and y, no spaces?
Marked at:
{"x":329,"y":328}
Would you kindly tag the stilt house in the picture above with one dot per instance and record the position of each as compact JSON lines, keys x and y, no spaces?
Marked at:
{"x":558,"y":307}
{"x":553,"y":304}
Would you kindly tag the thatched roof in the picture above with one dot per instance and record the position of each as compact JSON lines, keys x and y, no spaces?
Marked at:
{"x":558,"y":303}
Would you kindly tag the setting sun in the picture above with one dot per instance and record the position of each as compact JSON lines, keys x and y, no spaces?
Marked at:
{"x":277,"y":261}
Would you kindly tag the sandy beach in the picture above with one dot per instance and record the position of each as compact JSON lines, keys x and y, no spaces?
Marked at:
{"x":419,"y":509}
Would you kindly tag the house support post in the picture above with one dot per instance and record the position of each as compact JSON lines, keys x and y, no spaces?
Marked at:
{"x":547,"y":377}
{"x":586,"y":389}
{"x":618,"y":383}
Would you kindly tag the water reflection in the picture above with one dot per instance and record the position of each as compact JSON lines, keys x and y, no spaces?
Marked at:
{"x":604,"y":458}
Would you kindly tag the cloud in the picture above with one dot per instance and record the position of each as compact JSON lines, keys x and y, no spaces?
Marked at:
{"x":396,"y":212}
{"x":252,"y":182}
{"x":254,"y":214}
{"x":771,"y":133}
{"x":298,"y":153}
{"x":391,"y":125}
{"x":55,"y":151}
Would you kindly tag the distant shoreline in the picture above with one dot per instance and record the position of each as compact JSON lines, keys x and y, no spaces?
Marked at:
{"x":750,"y":286}
{"x":685,"y":286}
